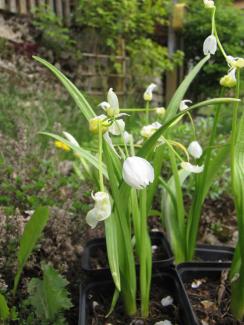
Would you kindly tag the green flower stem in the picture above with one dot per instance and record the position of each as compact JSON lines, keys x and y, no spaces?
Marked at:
{"x":100,"y":157}
{"x":137,"y":110}
{"x":192,"y":124}
{"x":147,"y":112}
{"x":172,"y":149}
{"x":215,"y":33}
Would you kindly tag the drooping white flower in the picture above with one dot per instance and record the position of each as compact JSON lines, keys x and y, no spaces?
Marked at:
{"x":167,"y":301}
{"x":148,"y":130}
{"x":164,"y":322}
{"x":148,"y":93}
{"x":229,"y":80}
{"x":113,"y":101}
{"x":71,"y":139}
{"x":101,"y":210}
{"x":183,"y":105}
{"x":137,"y":172}
{"x":210,"y":45}
{"x":127,"y":137}
{"x":191,"y":168}
{"x":209,"y":3}
{"x":160,"y":111}
{"x":117,"y":128}
{"x":195,"y":150}
{"x":235,"y":62}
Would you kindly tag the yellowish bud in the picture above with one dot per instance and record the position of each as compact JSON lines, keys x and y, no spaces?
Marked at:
{"x":61,"y":145}
{"x":160,"y":111}
{"x":96,"y":121}
{"x":229,"y":80}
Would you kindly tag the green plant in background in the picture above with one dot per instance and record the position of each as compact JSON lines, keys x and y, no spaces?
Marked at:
{"x":231,"y":20}
{"x":31,"y":235}
{"x":49,"y":296}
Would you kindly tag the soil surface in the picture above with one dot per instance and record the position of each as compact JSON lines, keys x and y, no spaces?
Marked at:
{"x":99,"y":300}
{"x":211,"y":300}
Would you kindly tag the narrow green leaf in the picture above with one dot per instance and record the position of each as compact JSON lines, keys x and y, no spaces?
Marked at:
{"x":32,"y":233}
{"x":79,"y":99}
{"x":182,"y":89}
{"x":4,"y":310}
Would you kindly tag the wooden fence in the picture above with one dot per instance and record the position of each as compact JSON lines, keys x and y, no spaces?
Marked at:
{"x":24,"y":7}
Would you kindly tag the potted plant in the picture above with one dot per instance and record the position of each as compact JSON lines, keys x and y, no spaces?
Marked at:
{"x":128,"y":176}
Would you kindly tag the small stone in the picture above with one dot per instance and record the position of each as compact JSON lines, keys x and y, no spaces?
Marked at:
{"x":167,"y":301}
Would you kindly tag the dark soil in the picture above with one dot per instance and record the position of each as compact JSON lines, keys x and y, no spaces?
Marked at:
{"x":211,"y":301}
{"x":99,"y":300}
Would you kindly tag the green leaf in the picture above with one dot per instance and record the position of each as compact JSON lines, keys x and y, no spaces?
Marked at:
{"x":79,"y":99}
{"x":4,"y":310}
{"x":182,"y":89}
{"x":85,"y":154}
{"x":49,"y":296}
{"x":32,"y":233}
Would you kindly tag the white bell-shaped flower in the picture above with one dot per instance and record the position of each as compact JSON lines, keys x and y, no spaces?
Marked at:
{"x":195,"y":150}
{"x":183,"y":104}
{"x":195,"y":169}
{"x":210,"y":45}
{"x":101,"y":210}
{"x":208,"y":3}
{"x":113,"y":101}
{"x":148,"y":93}
{"x":137,"y":172}
{"x":117,"y":128}
{"x":148,"y":130}
{"x":235,"y":62}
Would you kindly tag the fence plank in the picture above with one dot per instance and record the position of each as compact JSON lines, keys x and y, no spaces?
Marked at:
{"x":23,"y":7}
{"x":51,"y":4}
{"x":67,"y":12}
{"x":2,"y":4}
{"x":59,"y":8}
{"x":32,"y":5}
{"x":12,"y":6}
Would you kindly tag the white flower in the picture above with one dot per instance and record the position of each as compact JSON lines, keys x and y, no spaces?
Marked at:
{"x":210,"y":45}
{"x":148,"y":130}
{"x":148,"y":93}
{"x":195,"y":149}
{"x":235,"y":62}
{"x":137,"y":172}
{"x":191,"y":168}
{"x":183,"y":105}
{"x":209,"y":3}
{"x":113,"y":102}
{"x":101,"y":210}
{"x":160,"y":111}
{"x":71,"y":139}
{"x":167,"y":301}
{"x":164,"y":322}
{"x":127,"y":137}
{"x":117,"y":128}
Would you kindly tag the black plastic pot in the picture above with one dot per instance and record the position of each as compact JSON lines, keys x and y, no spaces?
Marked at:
{"x":189,"y":272}
{"x":97,"y":246}
{"x":213,"y":253}
{"x":102,"y":290}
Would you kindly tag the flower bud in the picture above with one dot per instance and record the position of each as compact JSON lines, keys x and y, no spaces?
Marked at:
{"x":137,"y":172}
{"x":191,"y":168}
{"x":229,"y":80}
{"x":101,"y":211}
{"x":195,"y":150}
{"x":148,"y":93}
{"x":210,"y":45}
{"x":160,"y":111}
{"x":235,"y":62}
{"x":148,"y":130}
{"x":96,"y":121}
{"x":183,"y":105}
{"x":209,"y":3}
